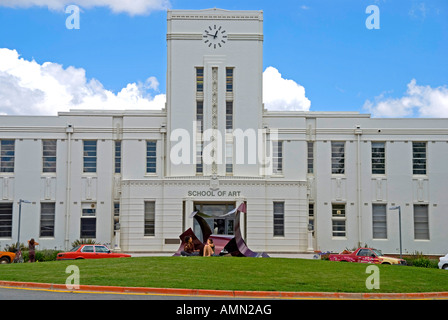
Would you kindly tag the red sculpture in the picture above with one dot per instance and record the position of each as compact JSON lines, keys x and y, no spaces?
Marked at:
{"x":224,"y":244}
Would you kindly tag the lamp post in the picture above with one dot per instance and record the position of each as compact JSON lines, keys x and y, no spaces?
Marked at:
{"x":399,"y":224}
{"x":20,"y":213}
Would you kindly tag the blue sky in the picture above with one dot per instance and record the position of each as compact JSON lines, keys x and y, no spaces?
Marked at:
{"x":322,"y":45}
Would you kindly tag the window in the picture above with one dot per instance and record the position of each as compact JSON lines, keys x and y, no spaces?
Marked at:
{"x":88,"y":221}
{"x":338,"y":220}
{"x":229,"y":158}
{"x":47,"y":214}
{"x":5,"y":220}
{"x":279,"y":219}
{"x":229,"y":116}
{"x":337,"y":157}
{"x":200,"y":79}
{"x":151,"y":156}
{"x":7,"y":155}
{"x":101,"y":249}
{"x":116,"y":216}
{"x":229,"y":79}
{"x":379,"y":221}
{"x":378,"y":158}
{"x":419,"y":157}
{"x":199,"y":131}
{"x":49,"y":155}
{"x":90,"y":156}
{"x":421,"y":222}
{"x":88,"y":249}
{"x":277,"y":157}
{"x":310,"y":157}
{"x":311,"y":215}
{"x":150,"y":217}
{"x":117,"y":156}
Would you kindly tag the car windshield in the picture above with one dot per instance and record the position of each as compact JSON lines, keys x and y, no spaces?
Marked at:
{"x":74,"y":249}
{"x":378,"y":252}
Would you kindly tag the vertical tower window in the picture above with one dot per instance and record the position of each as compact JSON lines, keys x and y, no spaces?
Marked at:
{"x":378,"y":158}
{"x":117,"y":156}
{"x":199,"y":79}
{"x":229,"y":79}
{"x":337,"y":157}
{"x":90,"y":154}
{"x":49,"y":155}
{"x":419,"y":157}
{"x":199,"y":131}
{"x":310,"y":157}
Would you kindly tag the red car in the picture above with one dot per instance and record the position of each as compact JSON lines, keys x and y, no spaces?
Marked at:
{"x":90,"y":251}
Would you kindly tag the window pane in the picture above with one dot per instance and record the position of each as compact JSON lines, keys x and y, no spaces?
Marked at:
{"x":419,"y":157}
{"x":421,"y":222}
{"x":47,"y":214}
{"x":200,"y":79}
{"x":5,"y":220}
{"x":378,"y":158}
{"x":379,"y":221}
{"x":151,"y":157}
{"x":89,"y":157}
{"x":7,"y":153}
{"x":49,"y":155}
{"x":337,"y":157}
{"x":150,"y":214}
{"x":279,"y":218}
{"x":88,"y":228}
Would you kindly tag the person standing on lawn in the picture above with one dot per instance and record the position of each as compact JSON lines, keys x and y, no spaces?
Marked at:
{"x":32,"y":250}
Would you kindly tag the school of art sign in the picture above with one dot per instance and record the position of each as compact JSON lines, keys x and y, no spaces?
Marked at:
{"x":213,"y":193}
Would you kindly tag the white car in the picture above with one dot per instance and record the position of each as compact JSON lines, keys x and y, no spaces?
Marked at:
{"x":443,"y":262}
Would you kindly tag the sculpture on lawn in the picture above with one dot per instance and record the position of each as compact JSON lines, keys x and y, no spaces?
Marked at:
{"x":225,"y":245}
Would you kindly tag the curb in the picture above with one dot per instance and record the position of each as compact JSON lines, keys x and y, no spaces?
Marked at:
{"x":230,"y":293}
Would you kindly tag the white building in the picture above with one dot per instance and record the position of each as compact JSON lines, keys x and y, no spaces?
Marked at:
{"x":130,"y":179}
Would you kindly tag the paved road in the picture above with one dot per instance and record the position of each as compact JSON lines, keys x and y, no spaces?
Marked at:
{"x":39,"y":294}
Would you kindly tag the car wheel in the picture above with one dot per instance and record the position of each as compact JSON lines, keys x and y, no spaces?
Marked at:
{"x":385,"y":263}
{"x":4,"y":260}
{"x":445,"y":267}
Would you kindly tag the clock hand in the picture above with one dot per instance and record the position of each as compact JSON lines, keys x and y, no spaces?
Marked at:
{"x":216,"y":34}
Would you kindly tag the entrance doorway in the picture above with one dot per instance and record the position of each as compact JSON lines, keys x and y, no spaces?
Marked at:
{"x":218,"y":224}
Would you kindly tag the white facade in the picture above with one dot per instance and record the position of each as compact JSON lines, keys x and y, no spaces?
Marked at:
{"x":160,"y":181}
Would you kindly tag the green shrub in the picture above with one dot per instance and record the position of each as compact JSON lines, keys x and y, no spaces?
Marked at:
{"x":83,"y":241}
{"x":41,"y":255}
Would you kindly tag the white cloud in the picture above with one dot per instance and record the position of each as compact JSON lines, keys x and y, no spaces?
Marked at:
{"x":133,"y":7}
{"x":30,"y":88}
{"x":419,"y":101}
{"x":282,"y":94}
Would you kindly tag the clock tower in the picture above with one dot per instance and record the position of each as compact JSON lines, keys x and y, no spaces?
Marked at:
{"x":214,"y":89}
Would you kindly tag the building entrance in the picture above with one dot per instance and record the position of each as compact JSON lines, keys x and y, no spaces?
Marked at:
{"x":219,"y":224}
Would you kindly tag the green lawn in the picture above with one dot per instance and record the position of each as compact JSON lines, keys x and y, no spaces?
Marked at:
{"x":230,"y":273}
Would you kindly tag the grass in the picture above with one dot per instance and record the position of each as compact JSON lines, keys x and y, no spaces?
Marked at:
{"x":230,"y":273}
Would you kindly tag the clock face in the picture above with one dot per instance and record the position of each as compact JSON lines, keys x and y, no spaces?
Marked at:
{"x":214,"y":36}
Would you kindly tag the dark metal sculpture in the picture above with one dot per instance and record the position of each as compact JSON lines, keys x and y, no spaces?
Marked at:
{"x":224,"y":245}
